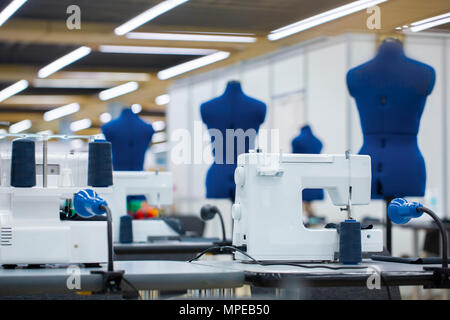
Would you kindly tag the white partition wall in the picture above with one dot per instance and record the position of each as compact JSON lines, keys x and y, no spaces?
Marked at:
{"x":306,"y":83}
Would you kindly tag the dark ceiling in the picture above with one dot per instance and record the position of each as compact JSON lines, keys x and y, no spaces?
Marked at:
{"x":246,"y":15}
{"x":257,"y":16}
{"x":59,"y":91}
{"x":42,"y":54}
{"x":254,"y":16}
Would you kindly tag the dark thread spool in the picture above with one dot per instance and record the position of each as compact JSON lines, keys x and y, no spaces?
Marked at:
{"x":23,"y":163}
{"x":126,"y":229}
{"x":100,"y":164}
{"x":350,"y":242}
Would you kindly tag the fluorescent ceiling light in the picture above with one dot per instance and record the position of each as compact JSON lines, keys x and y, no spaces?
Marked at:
{"x":191,"y":65}
{"x":118,"y":90}
{"x":20,"y":126}
{"x":72,"y":83}
{"x":13,"y":89}
{"x":148,"y":15}
{"x":10,"y":9}
{"x":159,"y":125}
{"x":189,"y":37}
{"x":103,"y":76}
{"x":136,"y":108}
{"x":430,"y":22}
{"x":162,"y":99}
{"x":159,"y":137}
{"x":322,"y":18}
{"x":64,"y":61}
{"x":61,"y":111}
{"x":155,"y":50}
{"x":80,"y":125}
{"x":105,"y":117}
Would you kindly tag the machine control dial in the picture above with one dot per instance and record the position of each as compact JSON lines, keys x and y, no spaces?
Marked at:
{"x":239,"y":176}
{"x":236,"y":211}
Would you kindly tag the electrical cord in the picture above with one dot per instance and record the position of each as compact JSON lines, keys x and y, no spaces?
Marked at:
{"x":293,"y":264}
{"x":110,"y":239}
{"x":444,"y":236}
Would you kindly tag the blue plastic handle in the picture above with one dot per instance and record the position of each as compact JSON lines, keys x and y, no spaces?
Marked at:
{"x":400,"y":211}
{"x":87,"y":203}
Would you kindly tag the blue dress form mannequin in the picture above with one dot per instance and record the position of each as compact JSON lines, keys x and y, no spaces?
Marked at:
{"x":390,"y":92}
{"x":130,"y":137}
{"x":306,"y":142}
{"x":232,"y":110}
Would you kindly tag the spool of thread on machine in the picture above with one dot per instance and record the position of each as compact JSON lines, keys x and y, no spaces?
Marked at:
{"x":100,"y":169}
{"x":23,"y":163}
{"x":126,"y":229}
{"x":350,"y":251}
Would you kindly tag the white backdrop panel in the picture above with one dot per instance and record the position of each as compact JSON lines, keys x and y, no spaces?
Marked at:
{"x":430,"y":136}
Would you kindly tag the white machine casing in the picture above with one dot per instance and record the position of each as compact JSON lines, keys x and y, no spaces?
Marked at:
{"x":267,"y":213}
{"x":31,"y":230}
{"x":30,"y":227}
{"x":157,"y":188}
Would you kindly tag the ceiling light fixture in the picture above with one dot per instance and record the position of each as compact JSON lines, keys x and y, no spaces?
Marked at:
{"x":430,"y":22}
{"x":189,"y":37}
{"x":13,"y":89}
{"x":154,"y":50}
{"x":10,"y":9}
{"x":162,"y":99}
{"x":136,"y":108}
{"x":61,"y":111}
{"x":80,"y":125}
{"x":118,"y":90}
{"x":159,"y":125}
{"x":192,"y":65}
{"x":20,"y":126}
{"x":105,"y":117}
{"x":147,"y":15}
{"x":63,"y":61}
{"x":321,"y":18}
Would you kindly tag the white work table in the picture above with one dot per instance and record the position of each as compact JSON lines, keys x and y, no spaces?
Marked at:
{"x":144,"y":275}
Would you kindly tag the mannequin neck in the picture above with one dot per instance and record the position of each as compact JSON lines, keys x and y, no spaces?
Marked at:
{"x":127,"y":113}
{"x":306,"y":130}
{"x":233,"y":87}
{"x":391,"y":49}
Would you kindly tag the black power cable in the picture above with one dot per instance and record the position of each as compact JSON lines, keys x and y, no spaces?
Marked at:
{"x":232,"y":249}
{"x":444,"y":235}
{"x":110,"y":239}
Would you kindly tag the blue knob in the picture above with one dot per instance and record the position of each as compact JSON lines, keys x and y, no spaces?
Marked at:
{"x":401,"y":211}
{"x":87,"y":203}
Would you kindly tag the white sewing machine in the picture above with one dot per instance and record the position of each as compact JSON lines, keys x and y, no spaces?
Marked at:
{"x":31,"y":230}
{"x":267,"y":212}
{"x":158,"y":189}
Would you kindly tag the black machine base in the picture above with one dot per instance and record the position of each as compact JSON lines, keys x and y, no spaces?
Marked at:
{"x":441,"y":278}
